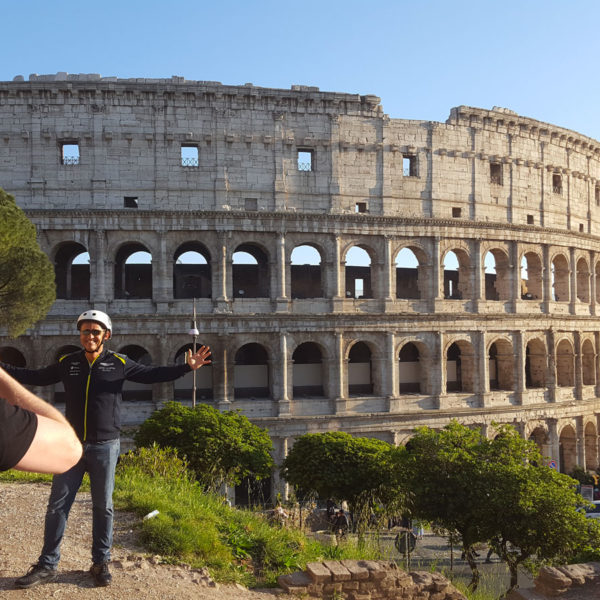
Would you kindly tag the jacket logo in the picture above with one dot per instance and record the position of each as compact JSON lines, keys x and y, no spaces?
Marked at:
{"x":74,"y":369}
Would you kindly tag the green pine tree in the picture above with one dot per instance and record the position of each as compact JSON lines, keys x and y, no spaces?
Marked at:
{"x":27,"y":289}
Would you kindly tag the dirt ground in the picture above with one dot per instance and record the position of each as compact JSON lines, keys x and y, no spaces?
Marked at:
{"x":136,"y":575}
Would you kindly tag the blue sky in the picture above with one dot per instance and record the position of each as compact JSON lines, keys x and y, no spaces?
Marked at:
{"x":538,"y":58}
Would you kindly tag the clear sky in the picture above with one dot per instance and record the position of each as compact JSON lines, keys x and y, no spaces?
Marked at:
{"x":422,"y":57}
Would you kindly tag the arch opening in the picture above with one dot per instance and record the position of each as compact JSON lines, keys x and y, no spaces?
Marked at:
{"x":308,"y":371}
{"x":192,"y":272}
{"x":305,"y":272}
{"x":251,"y":372}
{"x":133,"y":272}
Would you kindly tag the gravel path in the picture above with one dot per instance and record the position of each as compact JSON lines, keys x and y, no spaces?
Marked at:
{"x":136,"y":575}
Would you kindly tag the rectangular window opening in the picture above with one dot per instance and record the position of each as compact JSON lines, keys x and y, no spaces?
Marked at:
{"x":130,"y":201}
{"x":251,"y":203}
{"x":359,"y":288}
{"x":530,"y":220}
{"x":496,"y":173}
{"x":581,"y":228}
{"x":409,"y":165}
{"x":557,"y":183}
{"x":306,"y":159}
{"x":189,"y":155}
{"x":597,"y":195}
{"x":69,"y":153}
{"x":361,"y":207}
{"x":456,"y":212}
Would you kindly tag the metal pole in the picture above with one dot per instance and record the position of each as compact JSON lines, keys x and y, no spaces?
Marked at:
{"x":194,"y":333}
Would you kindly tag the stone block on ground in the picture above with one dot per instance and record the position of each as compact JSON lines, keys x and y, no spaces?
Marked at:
{"x":338,"y":571}
{"x":318,"y":572}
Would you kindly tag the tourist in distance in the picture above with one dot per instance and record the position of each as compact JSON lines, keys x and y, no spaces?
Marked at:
{"x":93,"y":379}
{"x":34,"y":436}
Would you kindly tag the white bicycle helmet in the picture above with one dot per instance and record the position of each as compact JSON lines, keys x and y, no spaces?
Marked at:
{"x":97,"y":316}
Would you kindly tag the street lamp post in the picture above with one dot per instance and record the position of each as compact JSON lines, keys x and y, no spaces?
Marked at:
{"x":194,"y":333}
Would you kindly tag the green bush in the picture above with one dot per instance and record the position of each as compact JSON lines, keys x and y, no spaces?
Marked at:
{"x":220,"y":447}
{"x":156,"y":462}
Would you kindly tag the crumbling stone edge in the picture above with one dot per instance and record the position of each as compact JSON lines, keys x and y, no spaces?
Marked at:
{"x":552,"y":582}
{"x":367,"y":580}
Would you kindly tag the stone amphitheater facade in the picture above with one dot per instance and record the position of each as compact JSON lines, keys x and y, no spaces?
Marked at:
{"x":478,"y":292}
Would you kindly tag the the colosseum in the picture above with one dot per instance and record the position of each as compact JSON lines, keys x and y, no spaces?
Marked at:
{"x":351,"y":271}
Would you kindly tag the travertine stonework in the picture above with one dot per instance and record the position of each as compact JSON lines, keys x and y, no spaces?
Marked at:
{"x":110,"y":167}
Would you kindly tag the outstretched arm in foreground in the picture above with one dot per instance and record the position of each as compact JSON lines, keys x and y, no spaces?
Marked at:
{"x":55,"y":447}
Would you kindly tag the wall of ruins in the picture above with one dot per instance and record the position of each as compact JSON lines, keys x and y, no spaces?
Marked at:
{"x":108,"y":167}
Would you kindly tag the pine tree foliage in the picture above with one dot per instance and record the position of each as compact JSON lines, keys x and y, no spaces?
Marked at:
{"x":27,"y":289}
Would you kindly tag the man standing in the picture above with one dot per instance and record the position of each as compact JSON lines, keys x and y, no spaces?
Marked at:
{"x":34,"y":436}
{"x":93,"y":379}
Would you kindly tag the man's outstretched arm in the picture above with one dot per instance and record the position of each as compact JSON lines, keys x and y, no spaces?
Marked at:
{"x":55,"y":447}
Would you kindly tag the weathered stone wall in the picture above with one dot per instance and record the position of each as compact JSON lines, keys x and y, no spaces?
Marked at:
{"x":367,"y":580}
{"x":485,"y":183}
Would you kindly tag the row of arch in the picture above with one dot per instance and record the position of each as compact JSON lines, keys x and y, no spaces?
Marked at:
{"x":311,"y":368}
{"x":251,"y":265}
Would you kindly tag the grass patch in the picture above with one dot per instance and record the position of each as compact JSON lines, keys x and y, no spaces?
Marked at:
{"x":199,"y":528}
{"x":13,"y":476}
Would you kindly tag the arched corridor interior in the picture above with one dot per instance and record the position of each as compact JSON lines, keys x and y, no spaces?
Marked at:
{"x":306,"y":272}
{"x":251,"y":372}
{"x":72,"y":272}
{"x":358,"y":273}
{"x":133,"y":272}
{"x":192,"y":272}
{"x":308,"y":371}
{"x":250,"y":272}
{"x":407,"y":275}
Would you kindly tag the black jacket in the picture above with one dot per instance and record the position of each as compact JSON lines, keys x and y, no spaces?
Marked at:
{"x":93,"y":392}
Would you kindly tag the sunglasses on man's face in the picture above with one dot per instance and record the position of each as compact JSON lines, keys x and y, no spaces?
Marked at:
{"x":91,"y":331}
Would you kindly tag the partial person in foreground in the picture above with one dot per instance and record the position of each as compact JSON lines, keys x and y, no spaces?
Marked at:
{"x":34,"y":436}
{"x":93,"y":379}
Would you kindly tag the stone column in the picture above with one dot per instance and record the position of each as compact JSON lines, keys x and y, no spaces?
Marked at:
{"x":279,"y":153}
{"x":280,"y":487}
{"x":283,"y":393}
{"x":282,"y":278}
{"x":593,"y":283}
{"x":572,"y":281}
{"x":551,"y":378}
{"x":515,"y":275}
{"x":222,"y":364}
{"x":520,"y":358}
{"x":477,"y":272}
{"x":578,"y":365}
{"x":597,"y":449}
{"x":98,"y":275}
{"x":339,"y":282}
{"x":221,"y":278}
{"x":341,"y":376}
{"x":546,"y":279}
{"x":597,"y":362}
{"x":482,"y":383}
{"x":580,"y":442}
{"x":160,"y":286}
{"x":437,"y":371}
{"x":553,"y":449}
{"x":392,"y":368}
{"x":386,"y":271}
{"x":165,"y":391}
{"x":437,"y":275}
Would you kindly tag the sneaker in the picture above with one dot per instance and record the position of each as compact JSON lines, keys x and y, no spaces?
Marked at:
{"x":101,"y":574}
{"x":36,"y":574}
